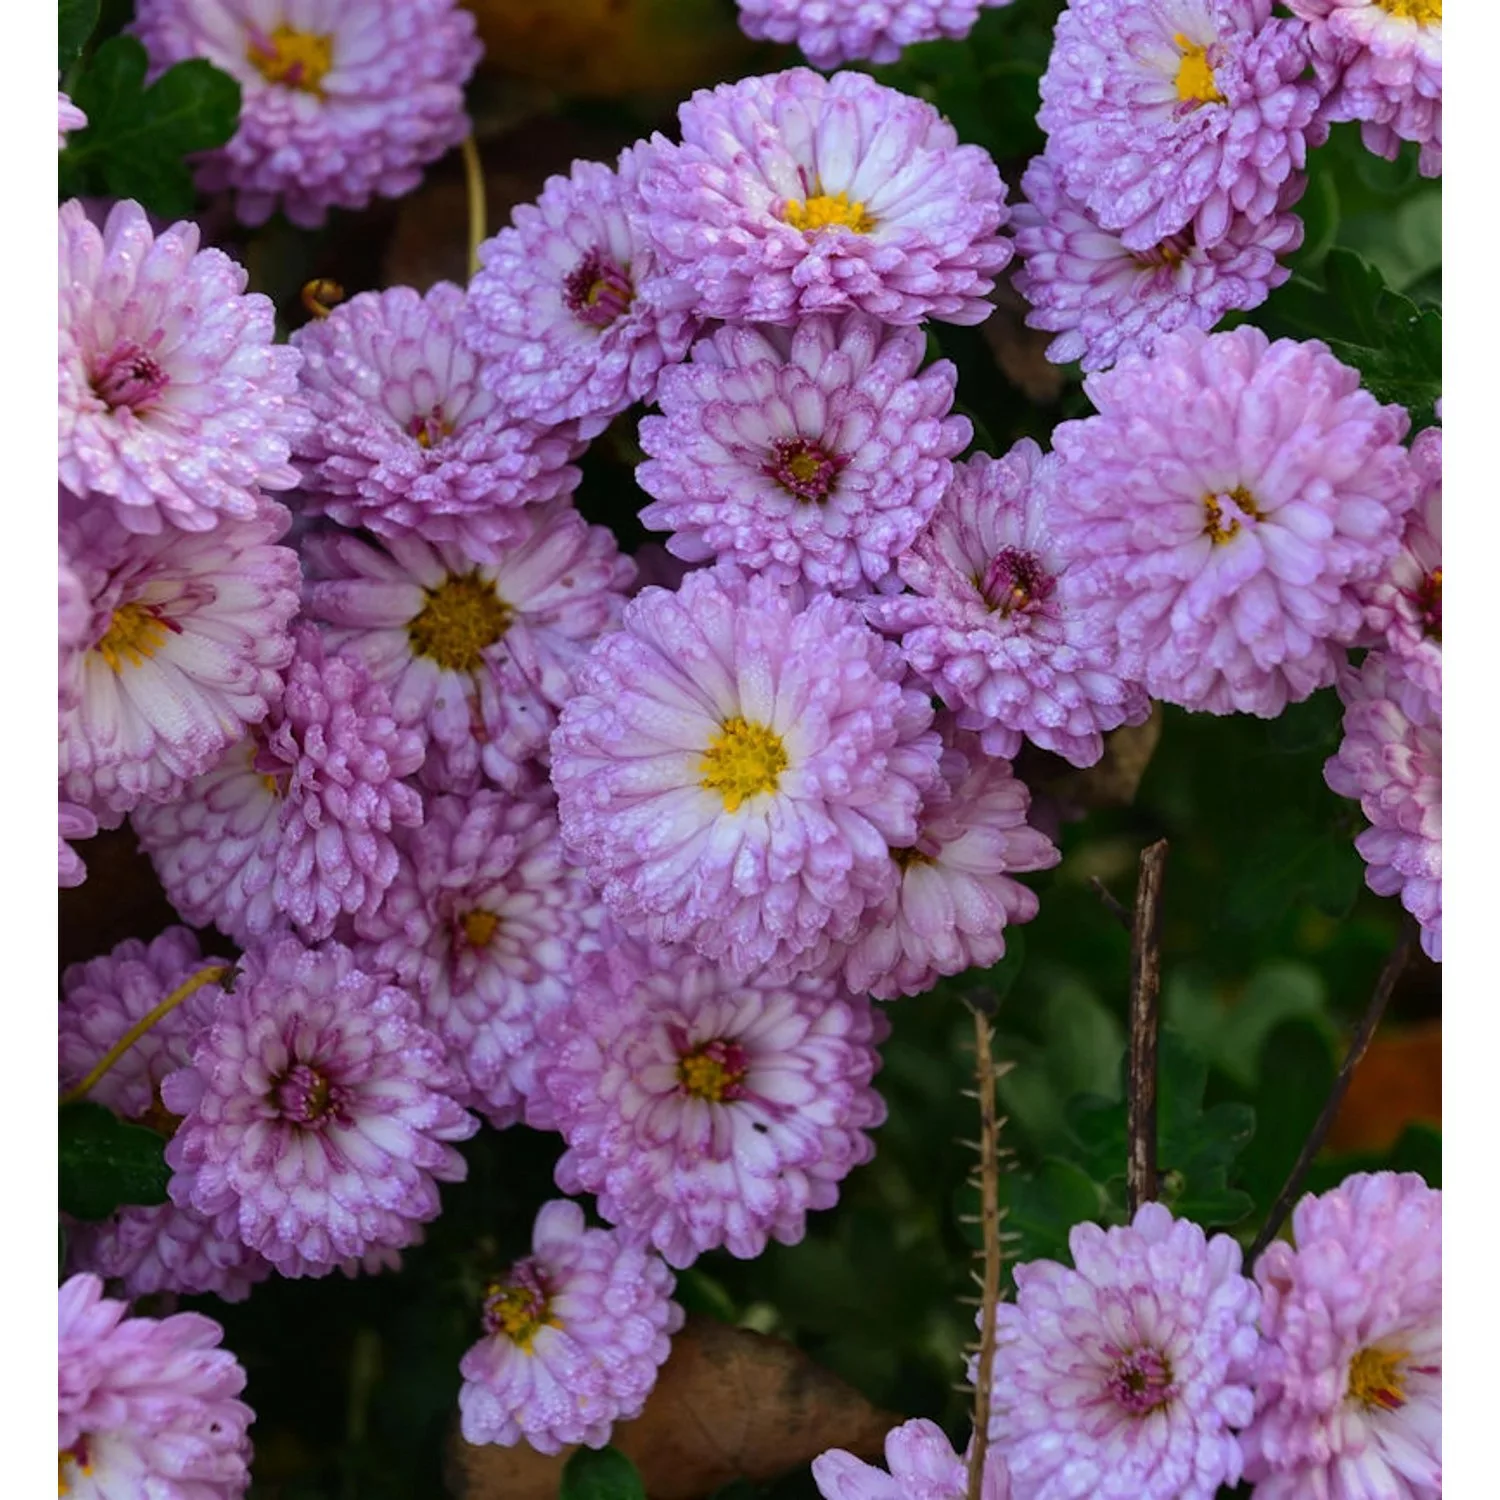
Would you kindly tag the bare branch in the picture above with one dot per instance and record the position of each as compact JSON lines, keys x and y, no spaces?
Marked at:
{"x":1145,"y":990}
{"x":1112,"y":904}
{"x":989,"y":1160}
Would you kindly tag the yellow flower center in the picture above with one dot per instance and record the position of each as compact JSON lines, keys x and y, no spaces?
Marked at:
{"x":1423,"y":12}
{"x":743,"y":760}
{"x":1195,"y":79}
{"x":462,"y":618}
{"x":480,"y":927}
{"x":298,"y":59}
{"x":519,"y":1310}
{"x":134,"y":633}
{"x":75,"y":1458}
{"x":1215,"y":528}
{"x":714,"y":1072}
{"x":1375,"y":1378}
{"x":906,"y":858}
{"x":825,"y":212}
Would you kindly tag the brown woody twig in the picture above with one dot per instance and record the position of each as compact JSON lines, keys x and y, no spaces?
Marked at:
{"x":1112,"y":904}
{"x":1145,"y":989}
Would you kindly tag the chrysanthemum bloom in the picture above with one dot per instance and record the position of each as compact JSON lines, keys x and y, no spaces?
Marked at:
{"x":186,"y":642}
{"x":342,"y":99}
{"x":957,"y":891}
{"x":406,"y":441}
{"x":1383,"y":63}
{"x":994,"y":620}
{"x":568,"y":311}
{"x":69,"y":118}
{"x":815,"y":453}
{"x":704,"y":1111}
{"x":145,"y":1406}
{"x":574,"y":1335}
{"x":1348,"y":1391}
{"x":1391,"y":761}
{"x":316,"y":1112}
{"x":841,"y":31}
{"x":172,"y":401}
{"x":1404,"y":607}
{"x":922,"y":1464}
{"x":165,"y":1248}
{"x":1163,"y":114}
{"x":483,"y":924}
{"x":73,"y":822}
{"x":297,"y":821}
{"x":794,"y":194}
{"x":1224,"y":509}
{"x":479,"y":655}
{"x":1123,"y":1379}
{"x":1103,"y":300}
{"x":737,"y":766}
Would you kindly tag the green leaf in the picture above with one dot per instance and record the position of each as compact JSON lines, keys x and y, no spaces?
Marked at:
{"x":137,"y":137}
{"x":1295,"y":1069}
{"x":601,"y":1474}
{"x":1291,"y":861}
{"x":76,"y":20}
{"x":103,"y":1162}
{"x":1042,"y":1208}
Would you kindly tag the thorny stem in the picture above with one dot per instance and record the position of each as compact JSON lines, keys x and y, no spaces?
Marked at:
{"x":989,"y":1184}
{"x":474,"y":181}
{"x":1385,"y":986}
{"x":190,"y":986}
{"x":1145,"y":990}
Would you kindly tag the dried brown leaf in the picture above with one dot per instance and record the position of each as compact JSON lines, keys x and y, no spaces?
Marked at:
{"x":1021,"y":352}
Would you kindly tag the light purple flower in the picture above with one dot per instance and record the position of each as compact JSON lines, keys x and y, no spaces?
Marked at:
{"x":815,"y":453}
{"x":479,"y":655}
{"x":316,"y":1112}
{"x":922,"y":1464}
{"x":69,"y":118}
{"x":297,"y":822}
{"x":172,"y":400}
{"x":484,"y":923}
{"x":737,"y":766}
{"x":342,"y":99}
{"x":1391,"y":761}
{"x":1167,"y":113}
{"x":995,"y":619}
{"x":1122,"y":1379}
{"x":1382,"y":63}
{"x":1225,"y":508}
{"x":145,"y":1406}
{"x":957,"y":893}
{"x":184,"y":649}
{"x":73,"y":822}
{"x":840,"y":31}
{"x":794,"y":194}
{"x":574,"y":1335}
{"x":705,"y":1111}
{"x":406,"y":441}
{"x":568,"y":311}
{"x":1103,"y":300}
{"x":162,"y":1248}
{"x":1348,"y":1393}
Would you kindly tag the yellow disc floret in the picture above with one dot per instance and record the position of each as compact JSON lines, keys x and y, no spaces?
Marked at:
{"x":462,"y":618}
{"x":1195,"y":79}
{"x":742,"y":760}
{"x":1423,"y":12}
{"x":135,"y":633}
{"x":299,"y":59}
{"x":480,"y":927}
{"x":827,"y":212}
{"x":1375,"y":1378}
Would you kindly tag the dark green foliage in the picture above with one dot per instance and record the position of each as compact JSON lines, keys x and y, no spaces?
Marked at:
{"x":605,"y":1474}
{"x":76,"y":20}
{"x":103,"y":1162}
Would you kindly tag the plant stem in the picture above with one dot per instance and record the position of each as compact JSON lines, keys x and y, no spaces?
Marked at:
{"x":989,"y":1183}
{"x":1145,"y":990}
{"x":474,"y":181}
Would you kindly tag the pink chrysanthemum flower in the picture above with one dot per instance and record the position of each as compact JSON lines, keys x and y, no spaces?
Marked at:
{"x":995,"y":621}
{"x":342,"y":99}
{"x":479,"y":655}
{"x":737,"y":766}
{"x":297,"y":822}
{"x":1103,"y":300}
{"x":1404,"y":607}
{"x":1224,"y":509}
{"x":567,"y":310}
{"x":794,"y":194}
{"x":184,"y":649}
{"x":1391,"y":761}
{"x":406,"y":441}
{"x":172,"y":400}
{"x":922,"y":1464}
{"x":1382,"y":62}
{"x":73,"y":822}
{"x":574,"y":1335}
{"x":1163,"y":114}
{"x":815,"y":453}
{"x":145,"y":1406}
{"x":1122,"y":1379}
{"x":484,"y":924}
{"x":705,"y":1111}
{"x":1349,"y":1384}
{"x":164,"y":1248}
{"x":69,"y":118}
{"x":841,"y":31}
{"x":957,"y":893}
{"x":316,"y":1112}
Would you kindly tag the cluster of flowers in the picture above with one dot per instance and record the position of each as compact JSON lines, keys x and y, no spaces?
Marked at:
{"x":1152,"y":1369}
{"x":498,"y":839}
